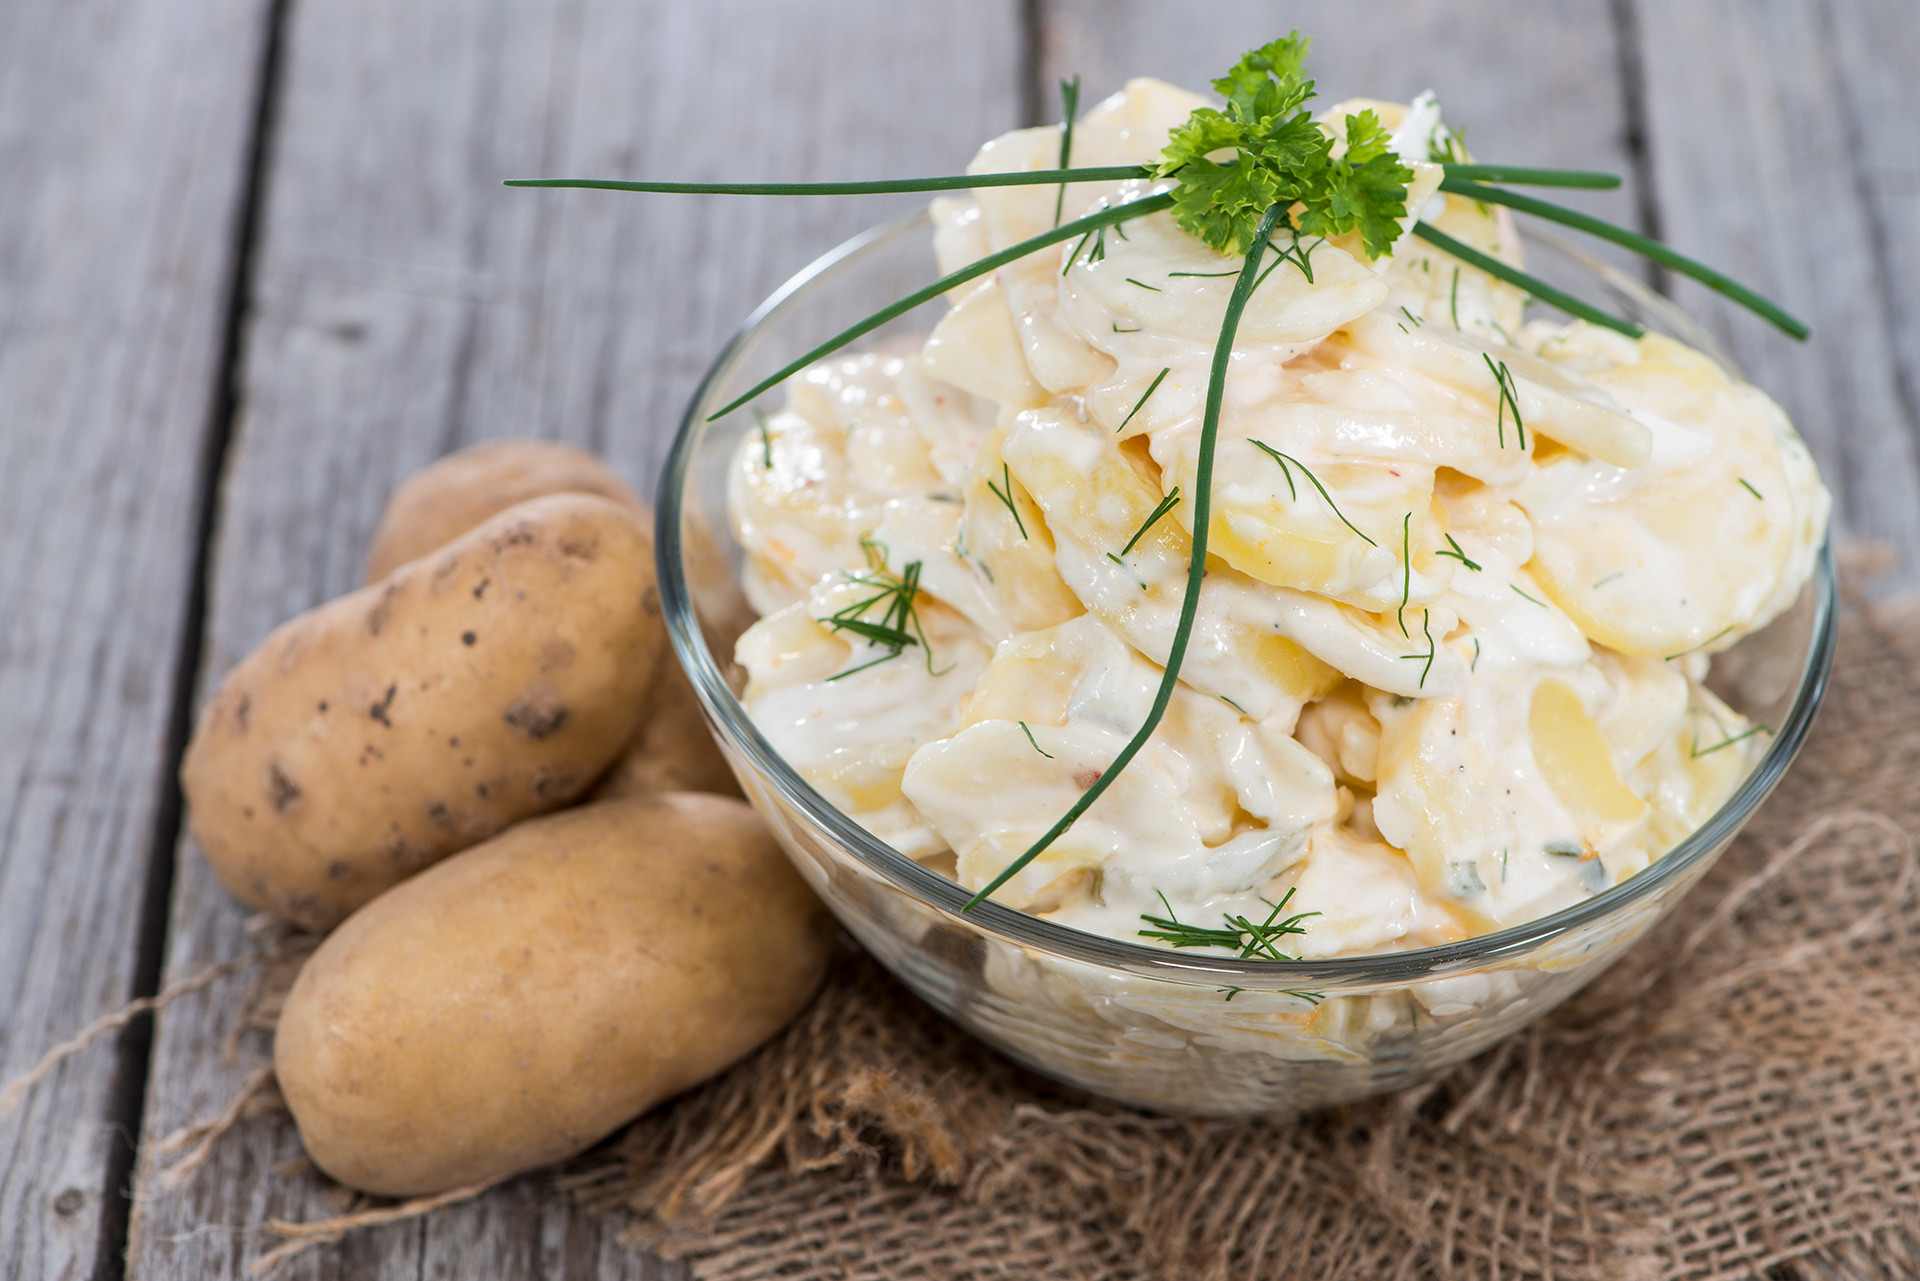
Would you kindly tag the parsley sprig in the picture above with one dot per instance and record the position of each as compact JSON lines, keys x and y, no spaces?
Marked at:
{"x":1282,"y":156}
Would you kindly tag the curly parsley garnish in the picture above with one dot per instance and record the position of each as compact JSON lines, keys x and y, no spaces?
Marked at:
{"x":1281,"y":156}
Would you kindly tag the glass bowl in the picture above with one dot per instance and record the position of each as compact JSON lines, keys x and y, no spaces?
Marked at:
{"x":1146,"y":1026}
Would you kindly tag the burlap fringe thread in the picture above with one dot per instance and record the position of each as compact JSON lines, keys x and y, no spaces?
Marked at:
{"x":1739,"y":1096}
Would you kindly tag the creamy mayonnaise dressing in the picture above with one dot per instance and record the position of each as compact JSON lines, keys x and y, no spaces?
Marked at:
{"x":1447,"y":671}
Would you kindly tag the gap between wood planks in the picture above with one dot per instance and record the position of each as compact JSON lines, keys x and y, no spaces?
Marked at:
{"x":133,"y":1052}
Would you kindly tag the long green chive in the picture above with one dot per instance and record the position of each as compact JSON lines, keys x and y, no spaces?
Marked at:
{"x":973,"y":270}
{"x":1024,"y":178}
{"x":883,"y":186}
{"x":1151,"y":388}
{"x":1532,"y":284}
{"x":1526,"y":177}
{"x":1283,"y":460}
{"x":1166,"y":505}
{"x":1645,"y":246}
{"x":1196,"y":564}
{"x":1069,"y":107}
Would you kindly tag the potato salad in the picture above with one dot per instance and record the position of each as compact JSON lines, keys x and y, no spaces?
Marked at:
{"x":1464,"y":578}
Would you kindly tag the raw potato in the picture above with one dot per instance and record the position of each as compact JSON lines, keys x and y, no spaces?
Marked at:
{"x":444,"y":500}
{"x":373,"y":736}
{"x":520,"y":1001}
{"x":673,"y":750}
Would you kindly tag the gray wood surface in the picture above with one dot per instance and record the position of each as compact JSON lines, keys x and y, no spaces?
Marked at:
{"x":401,"y":304}
{"x":405,"y":304}
{"x":123,"y":139}
{"x":1780,"y":153}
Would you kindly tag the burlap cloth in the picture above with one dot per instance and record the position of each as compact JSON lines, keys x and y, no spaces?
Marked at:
{"x":1739,"y":1096}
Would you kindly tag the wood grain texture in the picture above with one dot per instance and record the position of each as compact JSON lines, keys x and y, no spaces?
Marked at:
{"x":405,"y":304}
{"x":123,"y":138}
{"x":1532,"y":82}
{"x":1781,"y":146}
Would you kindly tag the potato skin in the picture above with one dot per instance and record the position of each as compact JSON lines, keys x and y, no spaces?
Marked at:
{"x":445,"y":499}
{"x":518,"y":1002}
{"x":368,"y":738}
{"x":673,"y":750}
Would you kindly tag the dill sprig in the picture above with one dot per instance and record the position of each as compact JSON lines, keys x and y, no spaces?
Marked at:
{"x":1151,"y":388}
{"x":899,"y":624}
{"x":1069,"y":107}
{"x":1252,"y":940}
{"x":1406,"y":577}
{"x":1036,"y":746}
{"x":1747,"y":733}
{"x":1433,"y":647}
{"x":1509,"y":400}
{"x":1099,"y":253}
{"x":1524,"y":596}
{"x":1006,"y":496}
{"x":1645,"y":246}
{"x":1284,"y":460}
{"x":1748,"y":486}
{"x":1196,"y":564}
{"x":1453,"y":549}
{"x":1167,"y":504}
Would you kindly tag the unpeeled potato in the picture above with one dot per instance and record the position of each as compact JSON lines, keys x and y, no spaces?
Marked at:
{"x":448,"y":497}
{"x":382,"y":731}
{"x":672,"y":750}
{"x":516,"y":1003}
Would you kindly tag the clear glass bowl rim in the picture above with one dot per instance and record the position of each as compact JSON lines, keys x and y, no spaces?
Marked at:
{"x":1019,"y":929}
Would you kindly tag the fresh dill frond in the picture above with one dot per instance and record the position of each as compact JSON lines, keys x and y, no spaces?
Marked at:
{"x":1284,"y":460}
{"x":1748,"y":486}
{"x":1143,"y":284}
{"x":1253,"y":941}
{"x":1453,"y":549}
{"x":1697,"y":751}
{"x":1006,"y":496}
{"x":1702,"y":645}
{"x":1524,"y":596}
{"x":1036,"y":746}
{"x":1166,"y":505}
{"x":1453,"y":298}
{"x":898,"y":626}
{"x":1235,"y":706}
{"x":1509,"y":400}
{"x":1151,"y":388}
{"x":1406,"y":577}
{"x":1617,"y":574}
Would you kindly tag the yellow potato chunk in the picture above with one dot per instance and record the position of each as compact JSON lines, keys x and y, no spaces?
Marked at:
{"x":1574,"y":756}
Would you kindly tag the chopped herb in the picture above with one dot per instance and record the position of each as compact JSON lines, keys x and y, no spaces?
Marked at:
{"x":899,"y":624}
{"x":1432,"y":648}
{"x":1509,"y":400}
{"x":1143,"y":284}
{"x":1006,"y":496}
{"x":1406,"y":577}
{"x":1069,"y":107}
{"x":1235,"y":706}
{"x":1118,"y":330}
{"x":1702,"y":645}
{"x":1475,"y":664}
{"x":1565,"y":849}
{"x":1503,"y":865}
{"x":1284,"y":460}
{"x":1453,"y":549}
{"x":1697,"y":751}
{"x":1410,"y":316}
{"x":1523,"y":596}
{"x":1122,"y":564}
{"x":766,"y":441}
{"x":1453,"y":298}
{"x":1036,"y":747}
{"x":1151,"y":388}
{"x":1608,"y":579}
{"x":1253,"y":941}
{"x":1166,"y":505}
{"x":1750,"y":489}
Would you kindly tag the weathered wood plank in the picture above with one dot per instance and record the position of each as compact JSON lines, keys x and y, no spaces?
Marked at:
{"x":1532,"y":83}
{"x":405,"y":304}
{"x":123,"y":138}
{"x":1780,"y":139}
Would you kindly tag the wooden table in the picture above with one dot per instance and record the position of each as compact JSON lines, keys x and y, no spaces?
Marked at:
{"x":256,"y":266}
